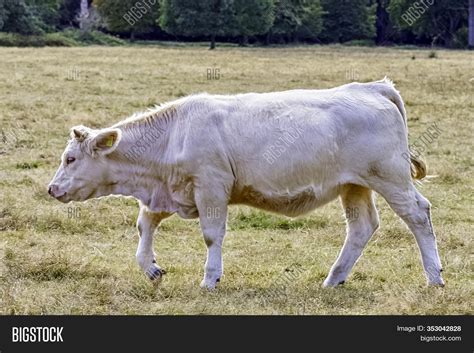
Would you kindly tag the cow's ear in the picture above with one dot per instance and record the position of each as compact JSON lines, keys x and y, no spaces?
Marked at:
{"x":79,"y":133}
{"x":106,"y":141}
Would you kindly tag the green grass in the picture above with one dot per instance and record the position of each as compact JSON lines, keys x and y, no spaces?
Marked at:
{"x":80,"y":258}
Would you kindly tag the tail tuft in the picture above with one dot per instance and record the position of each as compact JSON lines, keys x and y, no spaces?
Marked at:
{"x":417,"y":167}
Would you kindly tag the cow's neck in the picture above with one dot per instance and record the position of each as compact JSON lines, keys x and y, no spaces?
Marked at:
{"x":138,"y":177}
{"x":137,"y":166}
{"x":136,"y":180}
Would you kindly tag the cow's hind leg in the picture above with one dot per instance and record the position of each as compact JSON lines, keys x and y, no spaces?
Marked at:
{"x":414,"y":210}
{"x":362,"y":221}
{"x":147,"y":223}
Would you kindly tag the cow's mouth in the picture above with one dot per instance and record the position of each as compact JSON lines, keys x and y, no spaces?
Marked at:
{"x":64,"y":198}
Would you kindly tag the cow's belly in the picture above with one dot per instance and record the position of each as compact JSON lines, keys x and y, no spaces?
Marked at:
{"x":288,"y":203}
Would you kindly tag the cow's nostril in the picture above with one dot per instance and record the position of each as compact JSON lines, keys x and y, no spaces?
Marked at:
{"x":49,"y":190}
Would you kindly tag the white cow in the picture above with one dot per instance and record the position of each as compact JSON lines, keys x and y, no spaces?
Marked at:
{"x":285,"y":152}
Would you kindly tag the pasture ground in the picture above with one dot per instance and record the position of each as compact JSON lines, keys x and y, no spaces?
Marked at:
{"x":80,"y":258}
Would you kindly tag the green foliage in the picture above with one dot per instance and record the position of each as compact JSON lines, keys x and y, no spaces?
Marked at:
{"x":45,"y":14}
{"x":287,"y":17}
{"x":442,"y":22}
{"x":311,"y":20}
{"x":92,"y":38}
{"x":3,"y":14}
{"x":59,"y":39}
{"x":68,"y":11}
{"x":360,"y":43}
{"x":253,"y":17}
{"x":17,"y":17}
{"x":67,"y":38}
{"x":194,"y":18}
{"x":348,"y":20}
{"x":213,"y":18}
{"x":29,"y":16}
{"x":298,"y":19}
{"x":439,"y":21}
{"x":128,"y":16}
{"x":18,"y":40}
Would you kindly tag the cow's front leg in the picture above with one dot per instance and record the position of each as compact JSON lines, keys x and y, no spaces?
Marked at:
{"x":212,"y":217}
{"x":147,"y":223}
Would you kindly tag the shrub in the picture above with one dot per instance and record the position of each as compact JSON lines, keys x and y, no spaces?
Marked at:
{"x":67,"y":38}
{"x":59,"y":40}
{"x":18,"y":40}
{"x":360,"y":43}
{"x":93,"y":37}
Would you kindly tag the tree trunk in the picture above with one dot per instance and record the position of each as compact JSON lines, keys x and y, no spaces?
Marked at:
{"x":381,"y":23}
{"x":449,"y":34}
{"x":295,"y":38}
{"x":471,"y":24}
{"x":213,"y":42}
{"x":268,"y":38}
{"x":83,"y":13}
{"x":243,"y":41}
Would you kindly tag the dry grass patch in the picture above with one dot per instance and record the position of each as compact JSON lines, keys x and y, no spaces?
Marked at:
{"x":80,"y":258}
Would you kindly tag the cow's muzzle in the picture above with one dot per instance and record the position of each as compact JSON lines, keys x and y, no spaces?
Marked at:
{"x":53,"y":190}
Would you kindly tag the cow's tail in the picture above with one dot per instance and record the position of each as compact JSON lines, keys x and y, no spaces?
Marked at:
{"x":418,"y":167}
{"x":387,"y":89}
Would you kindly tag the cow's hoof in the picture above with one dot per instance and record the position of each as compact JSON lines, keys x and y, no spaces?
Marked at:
{"x":155,"y":273}
{"x":438,"y":283}
{"x":434,"y":278}
{"x":328,"y":283}
{"x":209,"y":284}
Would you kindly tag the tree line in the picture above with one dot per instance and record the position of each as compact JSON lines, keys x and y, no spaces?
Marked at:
{"x":382,"y":22}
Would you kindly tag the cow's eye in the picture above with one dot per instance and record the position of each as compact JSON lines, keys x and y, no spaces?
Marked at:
{"x":69,"y":160}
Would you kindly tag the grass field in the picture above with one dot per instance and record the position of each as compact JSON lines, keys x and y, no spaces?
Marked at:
{"x":79,"y":258}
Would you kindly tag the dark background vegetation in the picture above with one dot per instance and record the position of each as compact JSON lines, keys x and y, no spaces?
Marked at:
{"x":260,"y":22}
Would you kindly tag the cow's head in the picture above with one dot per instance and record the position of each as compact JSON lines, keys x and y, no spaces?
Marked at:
{"x":84,"y":171}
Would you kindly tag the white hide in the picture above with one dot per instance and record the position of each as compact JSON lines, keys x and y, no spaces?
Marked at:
{"x":286,"y":152}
